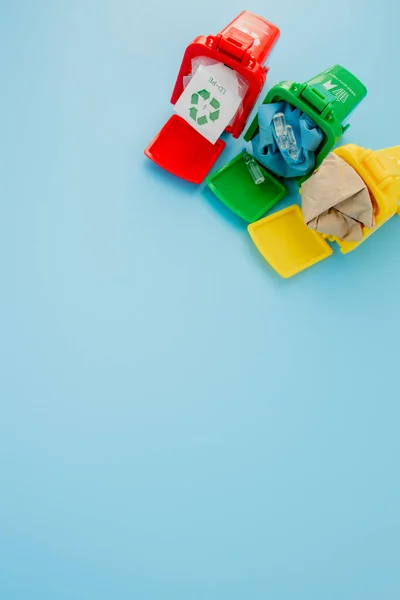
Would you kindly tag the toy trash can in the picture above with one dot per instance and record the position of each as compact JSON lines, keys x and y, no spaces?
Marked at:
{"x":289,"y":246}
{"x":328,"y":99}
{"x":243,"y":46}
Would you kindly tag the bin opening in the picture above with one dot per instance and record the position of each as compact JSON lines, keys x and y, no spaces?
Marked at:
{"x":293,"y":95}
{"x":251,"y":82}
{"x":287,"y":140}
{"x":203,"y":62}
{"x":336,"y":201}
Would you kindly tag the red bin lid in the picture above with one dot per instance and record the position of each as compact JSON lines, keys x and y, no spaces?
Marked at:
{"x":183,"y":151}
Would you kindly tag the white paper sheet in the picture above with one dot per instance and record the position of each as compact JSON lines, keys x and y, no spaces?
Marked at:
{"x":210,"y":100}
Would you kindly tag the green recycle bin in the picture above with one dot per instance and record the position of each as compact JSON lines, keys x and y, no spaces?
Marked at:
{"x":328,"y":99}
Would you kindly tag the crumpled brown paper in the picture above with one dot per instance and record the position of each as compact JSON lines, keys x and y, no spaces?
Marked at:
{"x":336,"y":201}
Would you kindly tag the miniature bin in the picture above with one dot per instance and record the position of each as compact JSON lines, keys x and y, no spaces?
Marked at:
{"x":289,"y":246}
{"x":244,"y":46}
{"x":328,"y":99}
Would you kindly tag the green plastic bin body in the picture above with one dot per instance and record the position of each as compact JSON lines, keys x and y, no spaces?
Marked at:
{"x":328,"y":99}
{"x":347,"y":90}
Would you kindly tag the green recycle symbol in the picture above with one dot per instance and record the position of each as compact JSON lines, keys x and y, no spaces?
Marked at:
{"x":205,"y":108}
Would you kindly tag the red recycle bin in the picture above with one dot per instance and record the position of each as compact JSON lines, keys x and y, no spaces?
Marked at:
{"x":244,"y":46}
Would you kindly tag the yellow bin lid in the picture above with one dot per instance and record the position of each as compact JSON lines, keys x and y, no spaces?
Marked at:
{"x":286,"y":242}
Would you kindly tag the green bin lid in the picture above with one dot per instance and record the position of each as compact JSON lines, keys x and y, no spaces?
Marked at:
{"x":234,"y":186}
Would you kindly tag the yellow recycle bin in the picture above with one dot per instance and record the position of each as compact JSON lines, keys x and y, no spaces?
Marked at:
{"x":289,"y":246}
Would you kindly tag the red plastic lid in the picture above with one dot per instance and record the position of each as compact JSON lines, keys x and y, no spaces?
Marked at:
{"x":183,"y":151}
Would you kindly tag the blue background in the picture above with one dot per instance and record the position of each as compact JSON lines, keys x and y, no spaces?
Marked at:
{"x":176,"y":420}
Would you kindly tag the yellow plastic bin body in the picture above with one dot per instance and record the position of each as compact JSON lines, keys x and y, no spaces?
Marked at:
{"x":289,"y":246}
{"x":380,"y":171}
